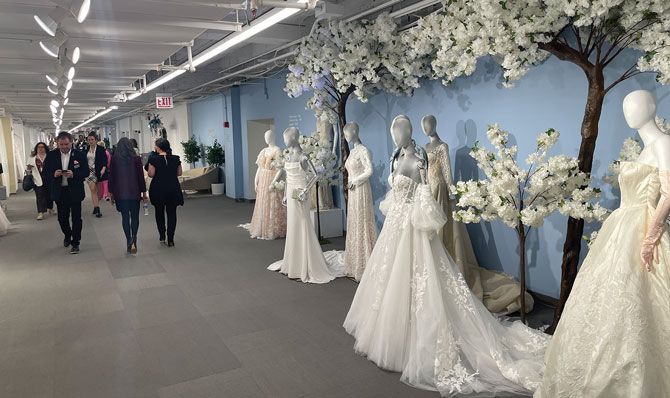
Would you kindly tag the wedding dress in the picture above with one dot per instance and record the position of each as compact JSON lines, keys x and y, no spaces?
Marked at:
{"x":499,"y":292}
{"x":361,"y":228}
{"x":4,"y":223}
{"x":303,"y":258}
{"x":413,"y":312}
{"x":269,"y":218}
{"x":613,"y":339}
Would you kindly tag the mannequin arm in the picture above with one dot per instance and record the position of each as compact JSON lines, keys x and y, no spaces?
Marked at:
{"x":367,"y":169}
{"x":256,"y":177}
{"x":422,"y":171}
{"x":446,"y":166}
{"x":656,"y":225}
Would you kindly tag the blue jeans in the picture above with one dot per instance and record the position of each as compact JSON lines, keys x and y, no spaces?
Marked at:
{"x":130,"y":217}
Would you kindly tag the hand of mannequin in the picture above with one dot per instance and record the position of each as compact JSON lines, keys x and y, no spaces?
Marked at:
{"x":649,"y":251}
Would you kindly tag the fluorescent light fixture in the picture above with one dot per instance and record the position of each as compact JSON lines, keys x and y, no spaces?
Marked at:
{"x":134,"y":95}
{"x":68,"y":86}
{"x":47,"y":24}
{"x":70,"y":73}
{"x":50,"y":48}
{"x":99,"y":114}
{"x":52,"y":80}
{"x":81,"y":9}
{"x":55,"y":103}
{"x":52,"y":91}
{"x":271,"y":18}
{"x":164,"y":79}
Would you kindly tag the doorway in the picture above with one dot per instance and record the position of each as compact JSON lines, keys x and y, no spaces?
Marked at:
{"x":255,"y":143}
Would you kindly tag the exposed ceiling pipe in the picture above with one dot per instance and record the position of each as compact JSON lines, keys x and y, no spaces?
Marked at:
{"x":373,"y":10}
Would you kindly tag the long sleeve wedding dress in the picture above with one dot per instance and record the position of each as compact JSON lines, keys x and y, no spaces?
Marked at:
{"x":414,"y":313}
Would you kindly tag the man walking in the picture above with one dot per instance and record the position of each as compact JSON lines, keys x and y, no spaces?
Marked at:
{"x":66,"y":169}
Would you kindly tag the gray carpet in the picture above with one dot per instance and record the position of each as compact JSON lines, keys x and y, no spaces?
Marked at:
{"x":202,"y":319}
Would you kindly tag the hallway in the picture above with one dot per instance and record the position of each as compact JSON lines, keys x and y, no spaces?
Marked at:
{"x":202,"y":319}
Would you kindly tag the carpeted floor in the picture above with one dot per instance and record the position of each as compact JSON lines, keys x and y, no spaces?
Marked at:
{"x":202,"y":319}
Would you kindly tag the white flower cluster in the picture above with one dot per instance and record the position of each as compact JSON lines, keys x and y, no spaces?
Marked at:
{"x":591,"y":238}
{"x":278,"y":185}
{"x":663,"y":124}
{"x":525,"y":195}
{"x":629,"y":152}
{"x":355,"y":57}
{"x":320,"y":153}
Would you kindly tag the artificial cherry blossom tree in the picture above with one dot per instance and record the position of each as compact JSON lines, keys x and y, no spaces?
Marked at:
{"x":520,"y":33}
{"x":344,"y":58}
{"x":522,"y":197}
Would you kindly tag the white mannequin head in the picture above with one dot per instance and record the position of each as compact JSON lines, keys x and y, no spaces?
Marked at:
{"x":351,"y":132}
{"x":291,"y":136}
{"x":401,"y":131}
{"x":270,"y":138}
{"x":429,"y":125}
{"x":639,"y":107}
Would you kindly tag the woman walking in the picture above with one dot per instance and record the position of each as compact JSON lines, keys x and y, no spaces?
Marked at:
{"x":126,"y":188}
{"x":97,"y":166}
{"x":103,"y":186}
{"x":165,"y":191}
{"x":36,"y":168}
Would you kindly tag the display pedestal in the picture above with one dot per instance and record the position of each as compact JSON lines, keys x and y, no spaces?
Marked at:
{"x":332,"y":224}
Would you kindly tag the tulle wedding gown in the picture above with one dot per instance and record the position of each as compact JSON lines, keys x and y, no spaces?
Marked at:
{"x":613,"y":339}
{"x":303,"y":258}
{"x":499,"y":292}
{"x":414,"y":313}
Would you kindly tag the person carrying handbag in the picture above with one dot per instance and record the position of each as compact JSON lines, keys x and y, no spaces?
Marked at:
{"x":34,"y":179}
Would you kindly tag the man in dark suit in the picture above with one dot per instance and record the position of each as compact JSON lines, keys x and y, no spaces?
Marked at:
{"x":66,"y":169}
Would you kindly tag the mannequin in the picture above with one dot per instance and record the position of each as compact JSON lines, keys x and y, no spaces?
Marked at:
{"x":269,"y":218}
{"x":361,"y":228}
{"x":613,"y":291}
{"x":413,"y":312}
{"x":303,"y":258}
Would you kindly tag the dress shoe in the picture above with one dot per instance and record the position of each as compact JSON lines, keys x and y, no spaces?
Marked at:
{"x":74,"y":249}
{"x":66,"y":242}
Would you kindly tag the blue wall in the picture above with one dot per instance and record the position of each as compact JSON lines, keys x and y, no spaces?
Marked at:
{"x":551,"y":95}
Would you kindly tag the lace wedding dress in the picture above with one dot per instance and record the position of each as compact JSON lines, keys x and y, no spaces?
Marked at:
{"x":499,"y":292}
{"x":613,"y":339}
{"x":4,"y":223}
{"x":361,"y":228}
{"x":269,"y":218}
{"x":303,"y":258}
{"x":413,"y":312}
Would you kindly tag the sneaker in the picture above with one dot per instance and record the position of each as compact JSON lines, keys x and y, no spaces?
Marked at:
{"x":98,"y":214}
{"x":75,"y":249}
{"x":40,"y":216}
{"x":66,"y":242}
{"x":52,"y":212}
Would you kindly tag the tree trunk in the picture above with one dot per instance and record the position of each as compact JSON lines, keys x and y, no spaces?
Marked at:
{"x":522,"y":270}
{"x":575,"y":228}
{"x":344,"y":145}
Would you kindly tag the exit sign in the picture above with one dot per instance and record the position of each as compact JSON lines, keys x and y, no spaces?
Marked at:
{"x":164,"y":101}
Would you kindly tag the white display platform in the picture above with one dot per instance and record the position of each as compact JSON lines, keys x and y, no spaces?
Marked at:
{"x":332,"y":222}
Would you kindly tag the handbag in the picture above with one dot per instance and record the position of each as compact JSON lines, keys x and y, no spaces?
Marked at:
{"x":28,"y":182}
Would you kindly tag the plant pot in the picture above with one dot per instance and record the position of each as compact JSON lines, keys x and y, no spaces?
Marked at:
{"x":218,"y":189}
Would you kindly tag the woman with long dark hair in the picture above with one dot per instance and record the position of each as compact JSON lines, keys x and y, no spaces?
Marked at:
{"x":165,"y":191}
{"x":126,"y":188}
{"x":97,"y":165}
{"x":36,"y":168}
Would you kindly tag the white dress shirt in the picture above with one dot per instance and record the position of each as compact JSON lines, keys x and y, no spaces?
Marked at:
{"x":65,"y":161}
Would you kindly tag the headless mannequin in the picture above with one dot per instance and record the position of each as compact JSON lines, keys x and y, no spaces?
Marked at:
{"x":295,"y":154}
{"x":407,"y":162}
{"x":429,"y":126}
{"x":639,"y":109}
{"x":271,"y":141}
{"x":351,"y":134}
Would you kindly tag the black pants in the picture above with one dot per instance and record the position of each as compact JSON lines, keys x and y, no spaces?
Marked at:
{"x":130,"y":217}
{"x":67,"y":208}
{"x":43,"y":198}
{"x":171,"y":211}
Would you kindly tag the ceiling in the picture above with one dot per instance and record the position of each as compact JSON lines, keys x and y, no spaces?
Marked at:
{"x":123,"y":40}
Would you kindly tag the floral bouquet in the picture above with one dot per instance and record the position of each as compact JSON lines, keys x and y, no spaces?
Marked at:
{"x":321,"y":155}
{"x":278,"y":185}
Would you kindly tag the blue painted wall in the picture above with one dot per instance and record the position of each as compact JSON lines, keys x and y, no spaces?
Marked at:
{"x":551,"y":95}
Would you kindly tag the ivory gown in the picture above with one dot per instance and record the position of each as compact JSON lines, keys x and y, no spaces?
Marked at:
{"x":413,"y":312}
{"x":613,"y":340}
{"x":303,"y":258}
{"x":4,"y":223}
{"x":361,"y":228}
{"x":499,"y":292}
{"x":269,"y":218}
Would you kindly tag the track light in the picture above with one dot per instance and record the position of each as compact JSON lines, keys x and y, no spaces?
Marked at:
{"x":50,"y":48}
{"x":80,"y":9}
{"x":66,"y":100}
{"x":52,"y":91}
{"x":76,"y":53}
{"x":53,"y":109}
{"x":69,"y":85}
{"x":47,"y":24}
{"x":55,"y":103}
{"x":52,"y":80}
{"x":70,"y":73}
{"x":60,"y":114}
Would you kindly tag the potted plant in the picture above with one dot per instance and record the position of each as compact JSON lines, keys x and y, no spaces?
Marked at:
{"x":216,"y":157}
{"x":191,"y":151}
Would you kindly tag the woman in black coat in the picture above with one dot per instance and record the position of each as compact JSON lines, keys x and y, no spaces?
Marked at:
{"x":97,"y":166}
{"x":165,"y":192}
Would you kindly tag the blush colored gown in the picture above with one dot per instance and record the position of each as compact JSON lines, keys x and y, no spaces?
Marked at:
{"x":269,"y":218}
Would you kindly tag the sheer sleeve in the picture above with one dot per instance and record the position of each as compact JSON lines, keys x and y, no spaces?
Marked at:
{"x":656,"y":225}
{"x":427,"y":214}
{"x":259,"y":158}
{"x":366,"y":160}
{"x":445,"y":163}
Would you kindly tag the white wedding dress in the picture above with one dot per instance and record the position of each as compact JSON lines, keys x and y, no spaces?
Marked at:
{"x":4,"y":223}
{"x":414,"y":313}
{"x":303,"y":258}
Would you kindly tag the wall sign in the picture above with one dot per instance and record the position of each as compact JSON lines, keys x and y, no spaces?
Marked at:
{"x":164,"y":101}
